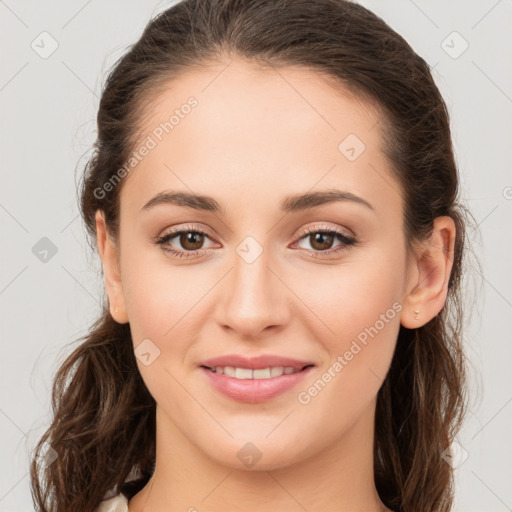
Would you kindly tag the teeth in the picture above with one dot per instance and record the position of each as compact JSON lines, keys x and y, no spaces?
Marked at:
{"x":263,"y":373}
{"x":229,"y":371}
{"x":276,"y":371}
{"x":247,"y":373}
{"x":243,"y":373}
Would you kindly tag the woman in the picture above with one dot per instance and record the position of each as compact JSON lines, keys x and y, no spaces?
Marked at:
{"x":274,"y":199}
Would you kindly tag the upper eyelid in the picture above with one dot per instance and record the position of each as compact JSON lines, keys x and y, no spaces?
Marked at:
{"x":302,"y":233}
{"x":185,"y":229}
{"x":316,"y":229}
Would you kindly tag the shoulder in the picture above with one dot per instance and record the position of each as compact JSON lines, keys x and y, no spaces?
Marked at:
{"x":117,"y":503}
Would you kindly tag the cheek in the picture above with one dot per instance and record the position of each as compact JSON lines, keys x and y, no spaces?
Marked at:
{"x":351,"y":297}
{"x":358,"y":322}
{"x":163,"y":302}
{"x":157,"y":294}
{"x":160,"y":301}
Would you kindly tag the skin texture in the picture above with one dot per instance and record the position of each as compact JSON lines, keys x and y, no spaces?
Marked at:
{"x":257,"y":136}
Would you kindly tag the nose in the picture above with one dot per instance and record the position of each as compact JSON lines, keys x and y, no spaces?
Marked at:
{"x":253,"y":300}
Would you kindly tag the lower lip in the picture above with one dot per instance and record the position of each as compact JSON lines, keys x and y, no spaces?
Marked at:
{"x":254,"y":390}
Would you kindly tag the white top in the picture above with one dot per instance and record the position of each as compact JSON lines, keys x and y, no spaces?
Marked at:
{"x":117,"y":503}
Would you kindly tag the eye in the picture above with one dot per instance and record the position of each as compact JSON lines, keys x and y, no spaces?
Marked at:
{"x":190,"y":239}
{"x":322,"y":240}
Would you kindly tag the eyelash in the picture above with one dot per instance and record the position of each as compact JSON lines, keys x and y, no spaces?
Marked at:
{"x":347,"y":241}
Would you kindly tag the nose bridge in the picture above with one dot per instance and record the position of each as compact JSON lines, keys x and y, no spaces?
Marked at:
{"x":254,"y":297}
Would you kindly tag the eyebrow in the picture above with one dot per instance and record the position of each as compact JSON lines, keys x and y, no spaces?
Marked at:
{"x":291,"y":204}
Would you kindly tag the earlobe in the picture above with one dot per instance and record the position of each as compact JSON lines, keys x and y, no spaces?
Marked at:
{"x":109,"y":258}
{"x":429,"y":281}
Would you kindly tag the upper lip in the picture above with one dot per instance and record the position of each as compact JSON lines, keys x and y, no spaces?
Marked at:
{"x":255,"y":363}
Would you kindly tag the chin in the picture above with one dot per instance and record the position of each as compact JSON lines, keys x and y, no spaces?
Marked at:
{"x":258,"y":455}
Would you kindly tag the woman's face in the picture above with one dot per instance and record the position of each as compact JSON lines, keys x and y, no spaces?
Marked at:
{"x":256,"y":270}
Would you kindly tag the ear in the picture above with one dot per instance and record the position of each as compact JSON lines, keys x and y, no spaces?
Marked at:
{"x":428,"y":281}
{"x":109,"y":257}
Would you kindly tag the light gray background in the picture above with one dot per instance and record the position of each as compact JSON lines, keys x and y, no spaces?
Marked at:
{"x":48,"y":123}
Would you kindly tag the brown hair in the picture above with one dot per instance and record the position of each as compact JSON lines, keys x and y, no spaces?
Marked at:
{"x":103,"y":429}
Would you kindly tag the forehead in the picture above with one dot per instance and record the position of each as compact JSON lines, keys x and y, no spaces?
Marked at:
{"x":253,"y":129}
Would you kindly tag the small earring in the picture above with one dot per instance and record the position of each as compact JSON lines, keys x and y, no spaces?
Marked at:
{"x":416,"y":311}
{"x":116,"y":310}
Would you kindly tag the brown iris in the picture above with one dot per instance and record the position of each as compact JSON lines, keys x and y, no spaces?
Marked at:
{"x":191,"y":240}
{"x":321,"y":241}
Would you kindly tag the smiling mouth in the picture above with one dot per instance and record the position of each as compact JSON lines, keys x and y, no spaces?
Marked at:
{"x":258,"y":374}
